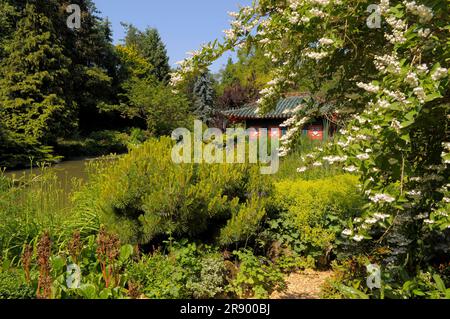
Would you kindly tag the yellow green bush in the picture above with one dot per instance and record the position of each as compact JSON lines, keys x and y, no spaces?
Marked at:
{"x":144,"y":195}
{"x":313,"y":212}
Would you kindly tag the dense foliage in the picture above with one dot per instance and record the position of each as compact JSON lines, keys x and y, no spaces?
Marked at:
{"x":391,"y":83}
{"x":142,"y":226}
{"x":144,"y":195}
{"x":60,"y":84}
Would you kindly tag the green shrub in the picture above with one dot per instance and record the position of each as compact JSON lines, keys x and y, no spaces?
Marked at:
{"x":13,"y":286}
{"x":313,"y":212}
{"x":188,"y":271}
{"x":159,"y":277}
{"x":211,"y":280}
{"x":256,"y":277}
{"x":244,"y":223}
{"x":98,"y":143}
{"x":144,"y":194}
{"x":349,"y":281}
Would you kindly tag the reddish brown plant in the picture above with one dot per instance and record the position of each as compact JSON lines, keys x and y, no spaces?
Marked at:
{"x":75,"y":246}
{"x":43,"y":259}
{"x":27,"y":255}
{"x":108,"y":249}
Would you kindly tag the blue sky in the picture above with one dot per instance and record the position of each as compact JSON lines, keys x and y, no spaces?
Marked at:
{"x":184,"y":25}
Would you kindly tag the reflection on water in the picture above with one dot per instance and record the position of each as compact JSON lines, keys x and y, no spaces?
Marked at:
{"x":68,"y":177}
{"x":69,"y":174}
{"x":64,"y":171}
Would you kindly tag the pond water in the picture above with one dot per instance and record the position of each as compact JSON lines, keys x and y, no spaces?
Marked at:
{"x":65,"y":171}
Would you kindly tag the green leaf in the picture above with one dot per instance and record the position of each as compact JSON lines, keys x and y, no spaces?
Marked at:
{"x":352,"y":292}
{"x":88,"y":291}
{"x":105,"y":293}
{"x":439,"y":283}
{"x":58,"y":263}
{"x":126,"y":252}
{"x":418,"y":292}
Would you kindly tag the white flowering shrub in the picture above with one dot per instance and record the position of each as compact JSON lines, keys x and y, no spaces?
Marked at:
{"x":390,"y":88}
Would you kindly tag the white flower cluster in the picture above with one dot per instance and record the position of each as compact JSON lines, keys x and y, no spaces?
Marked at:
{"x":424,"y":33}
{"x":276,"y":81}
{"x":317,"y":164}
{"x":384,"y":6}
{"x":294,"y":124}
{"x":412,"y":79}
{"x":305,"y":19}
{"x":423,"y":12}
{"x":368,"y":87}
{"x":361,"y":119}
{"x":289,"y":122}
{"x":446,"y":145}
{"x":382,"y":198}
{"x":282,"y":152}
{"x":383,"y":104}
{"x":335,"y":159}
{"x":363,"y":156}
{"x":368,"y":222}
{"x":347,"y":232}
{"x":398,"y":30}
{"x":294,"y":4}
{"x":175,"y":78}
{"x":422,"y":69}
{"x":351,"y":169}
{"x":387,"y":63}
{"x":232,"y":14}
{"x":380,"y":216}
{"x":439,"y":74}
{"x":445,"y":154}
{"x":294,"y":18}
{"x":230,"y":34}
{"x":315,"y":55}
{"x":414,"y":193}
{"x":317,"y":13}
{"x":325,"y":41}
{"x":320,"y":2}
{"x":420,"y":93}
{"x":397,"y":95}
{"x":396,"y":125}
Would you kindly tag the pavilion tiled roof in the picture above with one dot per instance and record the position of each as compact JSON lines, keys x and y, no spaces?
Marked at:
{"x":283,"y":110}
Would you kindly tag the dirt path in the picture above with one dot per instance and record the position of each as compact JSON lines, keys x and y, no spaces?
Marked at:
{"x":303,"y":285}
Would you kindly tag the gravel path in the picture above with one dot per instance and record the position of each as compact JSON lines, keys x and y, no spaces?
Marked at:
{"x":303,"y":285}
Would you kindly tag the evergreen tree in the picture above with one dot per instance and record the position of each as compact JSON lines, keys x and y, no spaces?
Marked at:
{"x":150,"y":45}
{"x":204,"y":97}
{"x":94,"y":63}
{"x":7,"y":15}
{"x":32,"y":83}
{"x":155,"y":51}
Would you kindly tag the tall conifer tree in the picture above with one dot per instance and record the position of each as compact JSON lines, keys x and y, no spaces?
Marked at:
{"x":150,"y":45}
{"x":204,"y":97}
{"x":32,"y":83}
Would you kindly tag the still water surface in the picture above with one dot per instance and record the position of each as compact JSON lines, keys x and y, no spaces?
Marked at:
{"x":65,"y":171}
